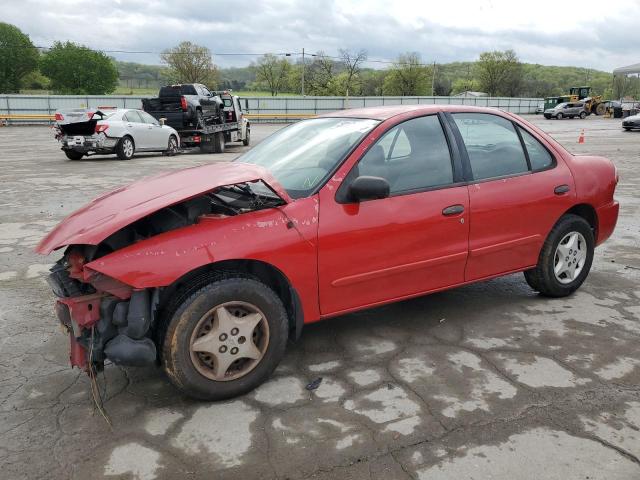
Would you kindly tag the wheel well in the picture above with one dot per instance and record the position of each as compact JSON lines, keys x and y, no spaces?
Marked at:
{"x":262,"y":271}
{"x":587,"y":212}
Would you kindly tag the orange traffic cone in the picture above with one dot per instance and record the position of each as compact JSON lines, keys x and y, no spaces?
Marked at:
{"x":581,"y":137}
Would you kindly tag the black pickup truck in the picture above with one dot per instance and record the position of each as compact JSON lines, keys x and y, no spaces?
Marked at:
{"x":186,"y":105}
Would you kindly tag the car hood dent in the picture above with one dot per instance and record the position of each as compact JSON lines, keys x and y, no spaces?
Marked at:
{"x":116,"y":209}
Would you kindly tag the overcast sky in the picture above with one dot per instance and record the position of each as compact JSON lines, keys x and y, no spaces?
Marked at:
{"x":586,"y":33}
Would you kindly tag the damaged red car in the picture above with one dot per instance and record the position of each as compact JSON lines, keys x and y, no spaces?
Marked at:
{"x":209,"y":271}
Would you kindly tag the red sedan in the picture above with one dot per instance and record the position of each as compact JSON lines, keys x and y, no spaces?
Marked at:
{"x":211,"y":269}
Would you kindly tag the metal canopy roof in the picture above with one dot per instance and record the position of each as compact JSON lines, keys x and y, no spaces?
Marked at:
{"x":635,"y":68}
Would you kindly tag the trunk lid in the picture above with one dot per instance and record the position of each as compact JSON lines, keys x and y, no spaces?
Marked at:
{"x":116,"y":209}
{"x":78,"y":122}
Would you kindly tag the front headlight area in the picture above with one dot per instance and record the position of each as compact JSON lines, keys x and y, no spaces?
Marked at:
{"x":104,"y":318}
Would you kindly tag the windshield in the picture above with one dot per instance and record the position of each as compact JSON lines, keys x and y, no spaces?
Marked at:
{"x":302,"y":156}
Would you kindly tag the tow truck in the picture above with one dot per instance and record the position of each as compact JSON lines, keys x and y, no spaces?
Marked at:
{"x":212,"y":137}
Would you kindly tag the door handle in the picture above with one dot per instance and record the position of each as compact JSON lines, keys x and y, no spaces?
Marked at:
{"x":561,"y":189}
{"x":129,"y":125}
{"x":453,"y":210}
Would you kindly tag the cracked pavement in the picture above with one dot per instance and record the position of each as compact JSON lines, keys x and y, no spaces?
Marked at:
{"x":485,"y":381}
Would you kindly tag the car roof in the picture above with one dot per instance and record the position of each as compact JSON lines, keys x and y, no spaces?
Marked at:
{"x":388,"y":111}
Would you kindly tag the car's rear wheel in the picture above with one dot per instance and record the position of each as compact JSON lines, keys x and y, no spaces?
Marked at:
{"x":125,"y":148}
{"x":583,"y":115}
{"x":172,"y":146}
{"x":218,"y":142}
{"x":247,"y":138}
{"x":73,"y":155}
{"x":565,"y":258}
{"x":559,"y":116}
{"x":225,"y":339}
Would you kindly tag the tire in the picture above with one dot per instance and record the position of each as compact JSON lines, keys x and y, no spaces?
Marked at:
{"x":125,"y":148}
{"x":559,"y":116}
{"x":218,"y":142}
{"x":186,"y":368}
{"x":600,"y":109}
{"x":543,"y":277}
{"x":247,"y":138}
{"x":583,"y":115}
{"x":73,"y":155}
{"x":172,"y":146}
{"x":628,"y":129}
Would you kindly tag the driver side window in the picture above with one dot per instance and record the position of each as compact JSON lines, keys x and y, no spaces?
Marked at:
{"x":492,"y":144}
{"x":413,"y":155}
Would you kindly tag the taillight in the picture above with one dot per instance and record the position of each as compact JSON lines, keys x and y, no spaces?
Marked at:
{"x":101,"y":128}
{"x":59,"y":117}
{"x":183,"y":103}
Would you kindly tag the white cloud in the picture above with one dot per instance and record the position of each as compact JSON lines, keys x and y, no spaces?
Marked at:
{"x":559,"y":32}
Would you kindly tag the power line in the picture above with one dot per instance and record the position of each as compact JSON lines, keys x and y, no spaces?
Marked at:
{"x":224,"y":54}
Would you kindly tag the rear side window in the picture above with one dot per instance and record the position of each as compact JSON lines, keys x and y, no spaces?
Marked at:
{"x":493,"y":145}
{"x":539,"y":156}
{"x":413,"y":155}
{"x":133,"y":116}
{"x":146,"y":118}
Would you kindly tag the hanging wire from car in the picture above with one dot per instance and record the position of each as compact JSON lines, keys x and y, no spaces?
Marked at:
{"x":98,"y":399}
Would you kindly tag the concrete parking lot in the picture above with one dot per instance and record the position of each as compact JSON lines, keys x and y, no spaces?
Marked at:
{"x":485,"y":381}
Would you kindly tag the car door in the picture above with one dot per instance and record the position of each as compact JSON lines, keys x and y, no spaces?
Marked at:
{"x":414,"y":241}
{"x":138,"y":128}
{"x":158,"y":136}
{"x":518,"y":189}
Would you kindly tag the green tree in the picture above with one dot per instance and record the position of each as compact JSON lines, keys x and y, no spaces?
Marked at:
{"x":191,"y":63}
{"x":352,"y":62}
{"x":408,"y":76}
{"x":18,"y":57}
{"x":77,"y":70}
{"x":373,"y":82}
{"x":273,"y":72}
{"x":464,"y":85}
{"x":499,"y":73}
{"x":320,"y":75}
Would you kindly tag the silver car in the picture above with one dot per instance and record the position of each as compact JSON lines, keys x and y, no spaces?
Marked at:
{"x":566,"y":109}
{"x":120,"y":131}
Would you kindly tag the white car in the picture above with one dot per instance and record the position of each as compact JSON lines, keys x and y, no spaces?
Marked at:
{"x":120,"y":131}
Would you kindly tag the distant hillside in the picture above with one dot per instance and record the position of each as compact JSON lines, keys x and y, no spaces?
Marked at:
{"x":538,"y":80}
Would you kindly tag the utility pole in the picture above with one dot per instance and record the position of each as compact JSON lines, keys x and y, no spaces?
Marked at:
{"x":303,"y":71}
{"x":433,"y":79}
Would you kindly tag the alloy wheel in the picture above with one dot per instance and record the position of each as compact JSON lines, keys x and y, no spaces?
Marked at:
{"x":229,"y":341}
{"x":570,"y":257}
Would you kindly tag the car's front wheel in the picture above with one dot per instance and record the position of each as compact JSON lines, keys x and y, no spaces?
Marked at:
{"x":225,"y":339}
{"x":172,"y":146}
{"x":565,"y":258}
{"x":583,"y":115}
{"x":125,"y":148}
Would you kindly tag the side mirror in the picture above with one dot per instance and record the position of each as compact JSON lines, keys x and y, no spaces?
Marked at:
{"x":368,"y":188}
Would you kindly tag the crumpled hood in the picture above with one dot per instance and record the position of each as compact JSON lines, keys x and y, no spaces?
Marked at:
{"x":115,"y":210}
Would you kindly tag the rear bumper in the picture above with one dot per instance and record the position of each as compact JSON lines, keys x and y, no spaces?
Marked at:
{"x":607,"y":219}
{"x":88,"y":143}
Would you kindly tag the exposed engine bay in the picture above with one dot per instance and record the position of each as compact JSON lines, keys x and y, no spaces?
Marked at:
{"x":107,"y":319}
